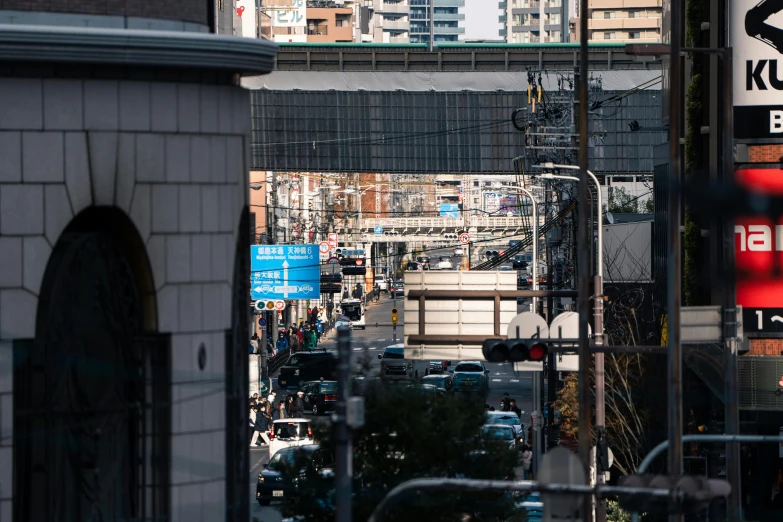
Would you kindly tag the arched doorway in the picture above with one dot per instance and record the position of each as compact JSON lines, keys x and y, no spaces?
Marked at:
{"x":91,"y":395}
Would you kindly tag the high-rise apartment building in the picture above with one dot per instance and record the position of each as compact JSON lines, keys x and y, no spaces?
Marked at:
{"x":391,"y":21}
{"x":446,"y":16}
{"x":625,"y":21}
{"x":533,"y":21}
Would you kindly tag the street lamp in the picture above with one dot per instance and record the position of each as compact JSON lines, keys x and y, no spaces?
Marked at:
{"x":600,"y":397}
{"x":526,"y":192}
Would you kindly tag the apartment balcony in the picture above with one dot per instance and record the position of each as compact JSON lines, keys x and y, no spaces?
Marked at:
{"x":622,"y":24}
{"x":449,"y":16}
{"x":449,"y":3}
{"x":502,"y":6}
{"x":449,"y":30}
{"x":397,"y":25}
{"x":394,"y":8}
{"x":623,"y":4}
{"x":553,"y":5}
{"x":400,"y":39}
{"x":502,"y":32}
{"x":502,"y":19}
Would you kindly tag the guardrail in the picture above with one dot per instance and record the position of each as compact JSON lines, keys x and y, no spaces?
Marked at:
{"x":280,"y":359}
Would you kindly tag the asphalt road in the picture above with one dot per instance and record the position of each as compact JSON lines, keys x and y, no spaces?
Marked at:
{"x":367,"y":345}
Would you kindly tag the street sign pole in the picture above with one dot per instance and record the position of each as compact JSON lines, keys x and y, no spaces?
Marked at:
{"x":344,"y":457}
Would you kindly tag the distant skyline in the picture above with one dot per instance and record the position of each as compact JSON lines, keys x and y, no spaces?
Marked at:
{"x":481,"y":20}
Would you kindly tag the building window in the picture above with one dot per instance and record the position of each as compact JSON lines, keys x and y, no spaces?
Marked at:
{"x":635,"y":14}
{"x":634,"y":35}
{"x":608,"y":15}
{"x":609,"y":36}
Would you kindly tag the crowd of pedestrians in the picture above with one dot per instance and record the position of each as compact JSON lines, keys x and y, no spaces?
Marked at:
{"x":264,"y":411}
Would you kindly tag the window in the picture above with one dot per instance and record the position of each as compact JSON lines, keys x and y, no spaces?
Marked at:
{"x":634,"y":35}
{"x":635,"y":14}
{"x":469,"y":367}
{"x":608,"y":15}
{"x":609,"y":36}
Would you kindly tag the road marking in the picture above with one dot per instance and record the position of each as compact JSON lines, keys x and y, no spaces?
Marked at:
{"x":371,"y":348}
{"x":514,"y":380}
{"x":381,"y":340}
{"x":356,"y":349}
{"x":496,"y":380}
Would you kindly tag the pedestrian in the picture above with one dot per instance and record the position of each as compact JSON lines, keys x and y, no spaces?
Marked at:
{"x":255,"y":424}
{"x":357,"y":292}
{"x":505,"y":402}
{"x":279,"y":413}
{"x":300,"y":334}
{"x":254,"y":344}
{"x":254,"y":399}
{"x":282,"y":342}
{"x":295,"y":343}
{"x":289,"y":405}
{"x":376,"y":292}
{"x":267,"y":412}
{"x":309,"y":338}
{"x":299,"y":405}
{"x":513,"y":407}
{"x":527,"y":462}
{"x":314,"y":315}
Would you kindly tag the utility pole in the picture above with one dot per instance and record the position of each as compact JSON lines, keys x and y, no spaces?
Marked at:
{"x":432,"y":25}
{"x":552,"y":362}
{"x":583,"y":261}
{"x":674,"y":269}
{"x":342,"y":433}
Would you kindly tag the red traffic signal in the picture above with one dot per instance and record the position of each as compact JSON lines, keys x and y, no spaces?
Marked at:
{"x":514,"y":350}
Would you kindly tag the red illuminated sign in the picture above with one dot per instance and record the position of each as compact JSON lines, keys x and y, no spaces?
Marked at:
{"x":758,"y":247}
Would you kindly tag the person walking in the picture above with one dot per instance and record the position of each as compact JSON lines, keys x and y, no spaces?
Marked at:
{"x":254,"y":424}
{"x":376,"y":293}
{"x":512,"y":406}
{"x":298,"y":405}
{"x":505,"y":402}
{"x":289,"y":406}
{"x":254,"y":342}
{"x":282,"y":342}
{"x":309,"y":338}
{"x":357,"y":292}
{"x":527,"y":462}
{"x":279,"y":412}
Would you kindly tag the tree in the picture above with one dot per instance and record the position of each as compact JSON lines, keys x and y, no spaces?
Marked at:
{"x":620,"y":201}
{"x":409,"y":434}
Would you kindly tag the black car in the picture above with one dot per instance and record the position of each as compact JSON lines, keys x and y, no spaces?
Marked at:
{"x":319,"y":396}
{"x":305,"y":367}
{"x":444,"y":382}
{"x":273,"y":481}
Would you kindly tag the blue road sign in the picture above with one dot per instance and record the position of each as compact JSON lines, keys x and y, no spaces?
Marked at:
{"x":284,"y":272}
{"x":262,"y":322}
{"x":449,"y":210}
{"x":378,"y":230}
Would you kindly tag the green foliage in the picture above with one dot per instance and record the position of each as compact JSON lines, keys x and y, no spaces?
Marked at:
{"x":620,"y":201}
{"x":409,"y":435}
{"x":614,"y":513}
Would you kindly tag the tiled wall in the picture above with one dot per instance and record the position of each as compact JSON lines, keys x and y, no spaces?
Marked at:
{"x":174,"y":157}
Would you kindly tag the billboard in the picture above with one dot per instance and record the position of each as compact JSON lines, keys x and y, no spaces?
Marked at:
{"x":758,"y":91}
{"x":492,"y":202}
{"x":758,"y":247}
{"x":509,"y":205}
{"x":284,"y":272}
{"x":449,"y":210}
{"x":296,"y":16}
{"x":246,"y":11}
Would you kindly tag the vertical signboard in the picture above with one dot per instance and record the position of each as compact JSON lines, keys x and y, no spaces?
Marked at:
{"x":492,"y":202}
{"x":246,"y":12}
{"x":758,"y":88}
{"x":291,"y":22}
{"x":758,"y":243}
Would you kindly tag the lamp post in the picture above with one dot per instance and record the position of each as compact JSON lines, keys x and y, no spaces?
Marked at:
{"x":598,"y":328}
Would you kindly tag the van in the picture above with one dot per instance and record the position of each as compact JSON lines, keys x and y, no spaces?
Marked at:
{"x":393,"y":363}
{"x":307,"y":366}
{"x":353,"y":309}
{"x":287,"y":433}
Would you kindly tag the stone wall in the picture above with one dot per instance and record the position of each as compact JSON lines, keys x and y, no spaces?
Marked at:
{"x":174,"y":158}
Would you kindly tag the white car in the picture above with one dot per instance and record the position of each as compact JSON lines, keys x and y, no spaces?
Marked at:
{"x":507,"y":418}
{"x":458,"y":251}
{"x":383,"y":283}
{"x":287,"y":433}
{"x":353,"y":309}
{"x":445,"y":264}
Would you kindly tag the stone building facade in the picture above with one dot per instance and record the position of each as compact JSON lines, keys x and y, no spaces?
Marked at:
{"x":123,"y":263}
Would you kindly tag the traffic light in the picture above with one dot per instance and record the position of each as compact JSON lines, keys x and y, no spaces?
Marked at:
{"x":514,"y":350}
{"x":394,"y":315}
{"x":331,"y":283}
{"x":353,"y":266}
{"x":689,"y":493}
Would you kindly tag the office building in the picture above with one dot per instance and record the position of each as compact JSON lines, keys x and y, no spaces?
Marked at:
{"x":625,"y":21}
{"x":533,"y":21}
{"x":446,"y":20}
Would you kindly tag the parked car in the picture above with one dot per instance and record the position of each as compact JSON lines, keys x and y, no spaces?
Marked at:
{"x":508,"y":418}
{"x":319,"y":396}
{"x":413,"y":266}
{"x":394,"y":365}
{"x":471,"y":376}
{"x":397,"y":289}
{"x":383,"y":283}
{"x":444,"y":382}
{"x":499,"y":434}
{"x":273,"y":481}
{"x":287,"y":433}
{"x":307,"y":366}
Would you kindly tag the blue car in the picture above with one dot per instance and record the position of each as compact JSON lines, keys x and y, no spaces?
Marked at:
{"x":471,"y":376}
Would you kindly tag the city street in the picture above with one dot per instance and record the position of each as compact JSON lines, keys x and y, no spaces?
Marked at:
{"x":371,"y":342}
